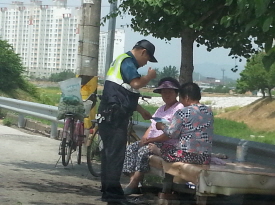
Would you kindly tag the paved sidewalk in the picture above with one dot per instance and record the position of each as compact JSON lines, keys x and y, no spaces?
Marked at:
{"x":28,"y":174}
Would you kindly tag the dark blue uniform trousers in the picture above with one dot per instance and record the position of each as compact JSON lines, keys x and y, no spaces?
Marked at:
{"x":113,"y":154}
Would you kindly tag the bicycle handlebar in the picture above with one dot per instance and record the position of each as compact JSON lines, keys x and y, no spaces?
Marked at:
{"x":92,"y":96}
{"x":145,"y":96}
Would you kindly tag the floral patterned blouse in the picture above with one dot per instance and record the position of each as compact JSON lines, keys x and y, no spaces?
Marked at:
{"x":193,"y":127}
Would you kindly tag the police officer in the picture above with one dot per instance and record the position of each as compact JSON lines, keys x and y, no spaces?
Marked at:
{"x":119,"y":101}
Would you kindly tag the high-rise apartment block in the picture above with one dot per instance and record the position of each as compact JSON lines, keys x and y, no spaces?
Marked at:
{"x":46,"y":37}
{"x":118,"y":48}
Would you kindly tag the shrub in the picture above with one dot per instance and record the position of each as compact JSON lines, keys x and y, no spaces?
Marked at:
{"x":7,"y":122}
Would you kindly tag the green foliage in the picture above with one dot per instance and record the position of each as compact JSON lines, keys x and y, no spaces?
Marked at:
{"x":167,"y":71}
{"x":218,"y":89}
{"x":50,"y":95}
{"x":241,"y":131}
{"x":229,"y":128}
{"x":255,"y":76}
{"x":211,"y":23}
{"x":64,"y":75}
{"x":257,"y":17}
{"x":233,"y":108}
{"x":29,"y":88}
{"x":11,"y":68}
{"x":45,"y":99}
{"x":3,"y":113}
{"x":7,"y":122}
{"x":207,"y":102}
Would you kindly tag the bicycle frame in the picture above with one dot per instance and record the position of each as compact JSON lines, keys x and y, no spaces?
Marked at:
{"x":78,"y":129}
{"x":72,"y":137}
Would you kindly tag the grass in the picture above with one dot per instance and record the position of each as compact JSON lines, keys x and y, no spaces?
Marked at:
{"x":207,"y":102}
{"x":239,"y":130}
{"x":229,"y":128}
{"x":50,"y":95}
{"x":7,"y":122}
{"x":150,"y":94}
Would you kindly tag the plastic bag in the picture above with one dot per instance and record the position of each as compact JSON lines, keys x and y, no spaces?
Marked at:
{"x":162,"y":120}
{"x":70,"y":89}
{"x":71,"y":100}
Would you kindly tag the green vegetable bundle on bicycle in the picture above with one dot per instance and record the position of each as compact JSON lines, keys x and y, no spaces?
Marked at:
{"x":71,"y":101}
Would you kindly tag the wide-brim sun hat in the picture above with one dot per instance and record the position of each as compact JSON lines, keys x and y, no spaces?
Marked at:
{"x":167,"y":85}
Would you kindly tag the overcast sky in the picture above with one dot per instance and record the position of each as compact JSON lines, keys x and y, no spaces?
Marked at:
{"x":166,"y":53}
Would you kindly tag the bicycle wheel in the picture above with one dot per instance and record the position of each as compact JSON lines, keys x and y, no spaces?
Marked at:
{"x":67,"y":143}
{"x":94,"y":155}
{"x":79,"y":154}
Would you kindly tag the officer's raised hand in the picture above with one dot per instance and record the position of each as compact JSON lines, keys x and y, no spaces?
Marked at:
{"x":151,"y":73}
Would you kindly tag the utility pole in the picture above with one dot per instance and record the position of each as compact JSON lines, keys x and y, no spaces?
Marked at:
{"x":111,"y":38}
{"x":88,"y":50}
{"x":223,"y":76}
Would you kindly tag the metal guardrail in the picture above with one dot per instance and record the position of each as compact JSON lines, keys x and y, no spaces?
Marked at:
{"x":23,"y":108}
{"x":254,"y":152}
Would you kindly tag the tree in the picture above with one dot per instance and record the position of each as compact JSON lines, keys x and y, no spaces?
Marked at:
{"x":197,"y":20}
{"x":255,"y":76}
{"x":64,"y":75}
{"x":257,"y":19}
{"x":11,"y":68}
{"x":169,"y":71}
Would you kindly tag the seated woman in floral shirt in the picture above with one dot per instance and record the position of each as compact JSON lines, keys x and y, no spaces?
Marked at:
{"x":192,"y":126}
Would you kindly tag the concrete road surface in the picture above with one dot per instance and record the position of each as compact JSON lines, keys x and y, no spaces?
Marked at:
{"x":28,"y":174}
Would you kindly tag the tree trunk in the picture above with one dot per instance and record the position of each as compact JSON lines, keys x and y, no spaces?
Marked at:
{"x":269,"y":93}
{"x":262,"y":90}
{"x":187,"y":67}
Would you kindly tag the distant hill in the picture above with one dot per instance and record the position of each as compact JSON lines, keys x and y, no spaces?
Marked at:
{"x":215,"y":70}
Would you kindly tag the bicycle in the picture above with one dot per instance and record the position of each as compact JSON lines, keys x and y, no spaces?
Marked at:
{"x":72,"y":136}
{"x":95,"y":144}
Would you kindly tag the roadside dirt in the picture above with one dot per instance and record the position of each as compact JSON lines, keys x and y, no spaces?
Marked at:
{"x":259,"y":115}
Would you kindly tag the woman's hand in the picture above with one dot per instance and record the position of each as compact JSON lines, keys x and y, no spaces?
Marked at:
{"x":142,"y":142}
{"x":149,"y":140}
{"x":159,"y":126}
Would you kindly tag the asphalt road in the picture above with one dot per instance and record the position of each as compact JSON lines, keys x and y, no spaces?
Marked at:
{"x":29,"y":173}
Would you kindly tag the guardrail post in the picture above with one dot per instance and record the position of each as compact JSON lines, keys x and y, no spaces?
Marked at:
{"x":21,"y":120}
{"x":54,"y":130}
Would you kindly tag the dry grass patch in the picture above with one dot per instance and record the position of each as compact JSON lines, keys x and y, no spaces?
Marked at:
{"x":259,"y":115}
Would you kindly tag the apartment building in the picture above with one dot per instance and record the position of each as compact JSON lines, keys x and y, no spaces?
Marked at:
{"x":46,"y":37}
{"x":119,"y":43}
